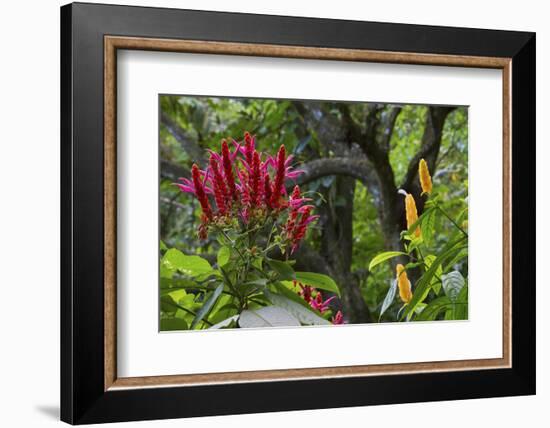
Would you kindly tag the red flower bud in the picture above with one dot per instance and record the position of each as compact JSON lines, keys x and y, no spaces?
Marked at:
{"x":220,"y":190}
{"x":279,"y":178}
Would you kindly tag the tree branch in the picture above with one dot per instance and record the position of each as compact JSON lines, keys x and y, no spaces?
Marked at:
{"x":356,"y":168}
{"x":429,"y":147}
{"x":389,"y":124}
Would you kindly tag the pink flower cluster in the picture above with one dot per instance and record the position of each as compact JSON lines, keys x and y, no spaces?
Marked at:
{"x":315,"y":299}
{"x":248,"y":185}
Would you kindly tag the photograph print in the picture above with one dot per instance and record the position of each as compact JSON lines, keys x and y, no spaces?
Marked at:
{"x":290,"y":213}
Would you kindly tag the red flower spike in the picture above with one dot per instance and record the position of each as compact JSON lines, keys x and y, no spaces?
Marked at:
{"x":200,"y":193}
{"x":279,"y":179}
{"x":249,"y":149}
{"x":228,"y":171}
{"x":254,"y":181}
{"x":220,"y":190}
{"x":244,"y":187}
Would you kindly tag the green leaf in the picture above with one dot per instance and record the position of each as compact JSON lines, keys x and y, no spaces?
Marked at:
{"x":452,"y":284}
{"x":268,"y":316}
{"x":318,"y":280}
{"x":435,"y":283}
{"x":431,"y":311}
{"x":382,"y":257}
{"x":461,"y":305}
{"x":283,"y":269}
{"x":167,"y":304}
{"x":223,"y":256}
{"x":188,"y":265}
{"x":260,"y":282}
{"x":304,"y":315}
{"x":388,"y":300}
{"x":428,"y":224}
{"x":460,"y":255}
{"x":177,"y":295}
{"x":420,"y":307}
{"x":203,"y":311}
{"x":216,"y":313}
{"x":172,"y":324}
{"x":163,"y":246}
{"x":459,"y":308}
{"x":257,"y":263}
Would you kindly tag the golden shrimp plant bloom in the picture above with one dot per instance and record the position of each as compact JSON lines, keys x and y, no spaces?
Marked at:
{"x":411,"y":213}
{"x":405,"y":292}
{"x":425,"y":178}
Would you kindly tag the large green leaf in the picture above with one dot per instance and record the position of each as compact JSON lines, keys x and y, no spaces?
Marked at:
{"x":382,"y":257}
{"x":318,"y":280}
{"x":188,"y":265}
{"x":203,"y":311}
{"x":268,"y":316}
{"x":283,"y":269}
{"x":388,"y":300}
{"x":452,"y":284}
{"x":303,"y":314}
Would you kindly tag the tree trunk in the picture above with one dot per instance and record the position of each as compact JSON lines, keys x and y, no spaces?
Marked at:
{"x":337,"y":248}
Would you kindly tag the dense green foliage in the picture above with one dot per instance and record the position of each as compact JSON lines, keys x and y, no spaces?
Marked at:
{"x":362,"y":232}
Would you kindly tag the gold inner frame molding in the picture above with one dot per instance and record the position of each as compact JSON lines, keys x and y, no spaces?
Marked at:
{"x":113,"y":43}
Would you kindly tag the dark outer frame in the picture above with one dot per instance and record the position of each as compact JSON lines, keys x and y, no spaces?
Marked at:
{"x":83,"y":396}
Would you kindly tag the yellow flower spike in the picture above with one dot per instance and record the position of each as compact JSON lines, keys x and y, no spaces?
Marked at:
{"x":412,"y":214}
{"x":425,"y":178}
{"x":405,"y":292}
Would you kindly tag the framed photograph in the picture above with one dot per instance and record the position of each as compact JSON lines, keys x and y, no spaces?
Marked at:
{"x":273,"y":213}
